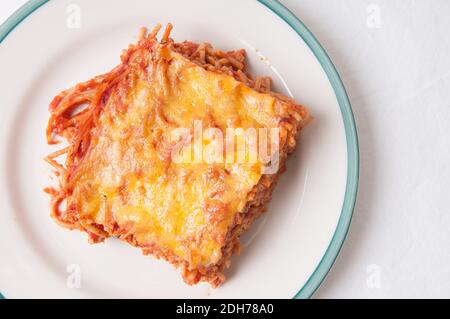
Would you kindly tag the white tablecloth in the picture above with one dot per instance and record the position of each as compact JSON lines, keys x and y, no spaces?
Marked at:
{"x":394,"y":58}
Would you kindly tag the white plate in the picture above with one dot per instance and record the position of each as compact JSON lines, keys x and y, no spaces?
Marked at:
{"x":287,"y":252}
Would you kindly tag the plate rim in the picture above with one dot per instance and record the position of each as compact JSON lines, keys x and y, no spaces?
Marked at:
{"x":352,"y":182}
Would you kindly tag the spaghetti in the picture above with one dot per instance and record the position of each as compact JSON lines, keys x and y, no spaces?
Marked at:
{"x":118,"y":180}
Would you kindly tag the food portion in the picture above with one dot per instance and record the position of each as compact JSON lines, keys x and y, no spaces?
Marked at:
{"x":148,"y":156}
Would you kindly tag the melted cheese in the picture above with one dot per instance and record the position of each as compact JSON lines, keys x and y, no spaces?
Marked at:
{"x":127,"y":177}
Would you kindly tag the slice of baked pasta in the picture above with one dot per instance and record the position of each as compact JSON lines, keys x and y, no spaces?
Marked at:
{"x":148,"y":157}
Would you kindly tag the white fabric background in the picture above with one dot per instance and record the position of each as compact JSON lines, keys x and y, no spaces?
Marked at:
{"x":398,"y":80}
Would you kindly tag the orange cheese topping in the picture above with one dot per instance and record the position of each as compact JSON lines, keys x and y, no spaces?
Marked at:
{"x":128,"y":177}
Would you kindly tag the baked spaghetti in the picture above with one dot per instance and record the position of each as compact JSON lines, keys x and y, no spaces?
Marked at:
{"x":120,"y":178}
